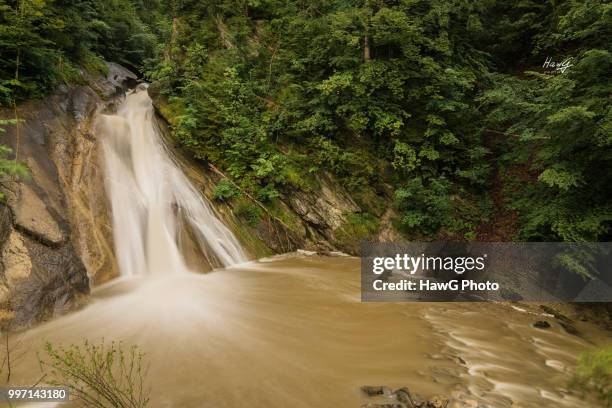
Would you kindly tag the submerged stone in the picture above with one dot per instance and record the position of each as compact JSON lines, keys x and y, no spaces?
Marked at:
{"x":541,"y":324}
{"x":373,"y":390}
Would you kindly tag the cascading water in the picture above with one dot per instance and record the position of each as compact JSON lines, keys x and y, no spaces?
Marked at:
{"x":152,"y":199}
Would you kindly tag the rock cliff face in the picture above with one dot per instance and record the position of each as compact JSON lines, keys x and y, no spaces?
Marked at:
{"x":55,"y":232}
{"x":326,"y":211}
{"x":299,"y":219}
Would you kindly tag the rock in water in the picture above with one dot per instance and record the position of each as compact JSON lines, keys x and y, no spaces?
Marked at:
{"x":541,"y":324}
{"x":564,"y":321}
{"x":409,"y":399}
{"x":373,"y":390}
{"x":438,"y":401}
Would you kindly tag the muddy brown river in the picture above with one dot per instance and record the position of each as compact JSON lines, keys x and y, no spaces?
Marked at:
{"x":291,"y":331}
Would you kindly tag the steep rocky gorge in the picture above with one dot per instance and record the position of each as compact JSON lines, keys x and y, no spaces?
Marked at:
{"x":55,"y":226}
{"x":55,"y":231}
{"x":317,"y":219}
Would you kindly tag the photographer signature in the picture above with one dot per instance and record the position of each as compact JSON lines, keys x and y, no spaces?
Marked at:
{"x":556,"y":67}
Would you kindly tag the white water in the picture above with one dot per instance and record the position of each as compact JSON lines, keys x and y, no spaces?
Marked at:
{"x":152,"y":199}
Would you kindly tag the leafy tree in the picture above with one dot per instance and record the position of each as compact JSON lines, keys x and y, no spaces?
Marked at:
{"x":353,"y":85}
{"x":41,"y":42}
{"x":10,"y":169}
{"x":28,"y":59}
{"x":424,"y":105}
{"x":562,"y":124}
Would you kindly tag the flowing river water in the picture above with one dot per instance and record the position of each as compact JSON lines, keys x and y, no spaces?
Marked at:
{"x":287,"y":331}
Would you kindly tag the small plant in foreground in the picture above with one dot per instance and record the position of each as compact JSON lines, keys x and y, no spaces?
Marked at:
{"x":594,"y":374}
{"x":99,"y":375}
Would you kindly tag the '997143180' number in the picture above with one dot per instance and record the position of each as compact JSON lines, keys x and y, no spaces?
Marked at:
{"x":40,"y":394}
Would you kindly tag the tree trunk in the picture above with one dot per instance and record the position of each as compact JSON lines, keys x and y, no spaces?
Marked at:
{"x":366,"y":48}
{"x":173,"y":37}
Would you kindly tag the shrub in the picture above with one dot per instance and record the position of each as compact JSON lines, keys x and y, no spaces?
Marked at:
{"x":594,"y":374}
{"x":358,"y":227}
{"x":99,"y":375}
{"x":10,"y":169}
{"x":361,"y":226}
{"x":225,"y":190}
{"x":248,"y":211}
{"x":425,"y":207}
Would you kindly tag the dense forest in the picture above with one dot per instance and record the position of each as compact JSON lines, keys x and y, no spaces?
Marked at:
{"x":472,"y":120}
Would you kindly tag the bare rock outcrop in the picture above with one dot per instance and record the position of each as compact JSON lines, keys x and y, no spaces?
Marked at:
{"x":55,"y":233}
{"x":324,"y":211}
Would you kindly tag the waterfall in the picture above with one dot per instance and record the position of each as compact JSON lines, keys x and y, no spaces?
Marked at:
{"x":151,"y":199}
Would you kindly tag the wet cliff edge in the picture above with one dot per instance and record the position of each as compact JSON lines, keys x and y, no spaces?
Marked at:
{"x":55,"y":231}
{"x":316,"y":219}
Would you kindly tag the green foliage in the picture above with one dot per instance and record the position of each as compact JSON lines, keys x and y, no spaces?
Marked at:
{"x":581,"y":259}
{"x":275,"y":92}
{"x":41,"y":42}
{"x":10,"y":169}
{"x":247,"y":211}
{"x":225,"y":190}
{"x":426,"y":208}
{"x":360,"y":226}
{"x":562,"y":123}
{"x":594,"y":374}
{"x":98,"y":375}
{"x":381,"y":92}
{"x":416,"y":102}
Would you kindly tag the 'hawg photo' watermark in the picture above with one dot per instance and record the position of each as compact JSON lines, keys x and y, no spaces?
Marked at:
{"x":486,"y":271}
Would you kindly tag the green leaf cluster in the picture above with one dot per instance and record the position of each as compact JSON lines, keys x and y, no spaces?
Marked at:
{"x":374,"y":92}
{"x":594,"y":374}
{"x":42,"y":42}
{"x":561,"y":126}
